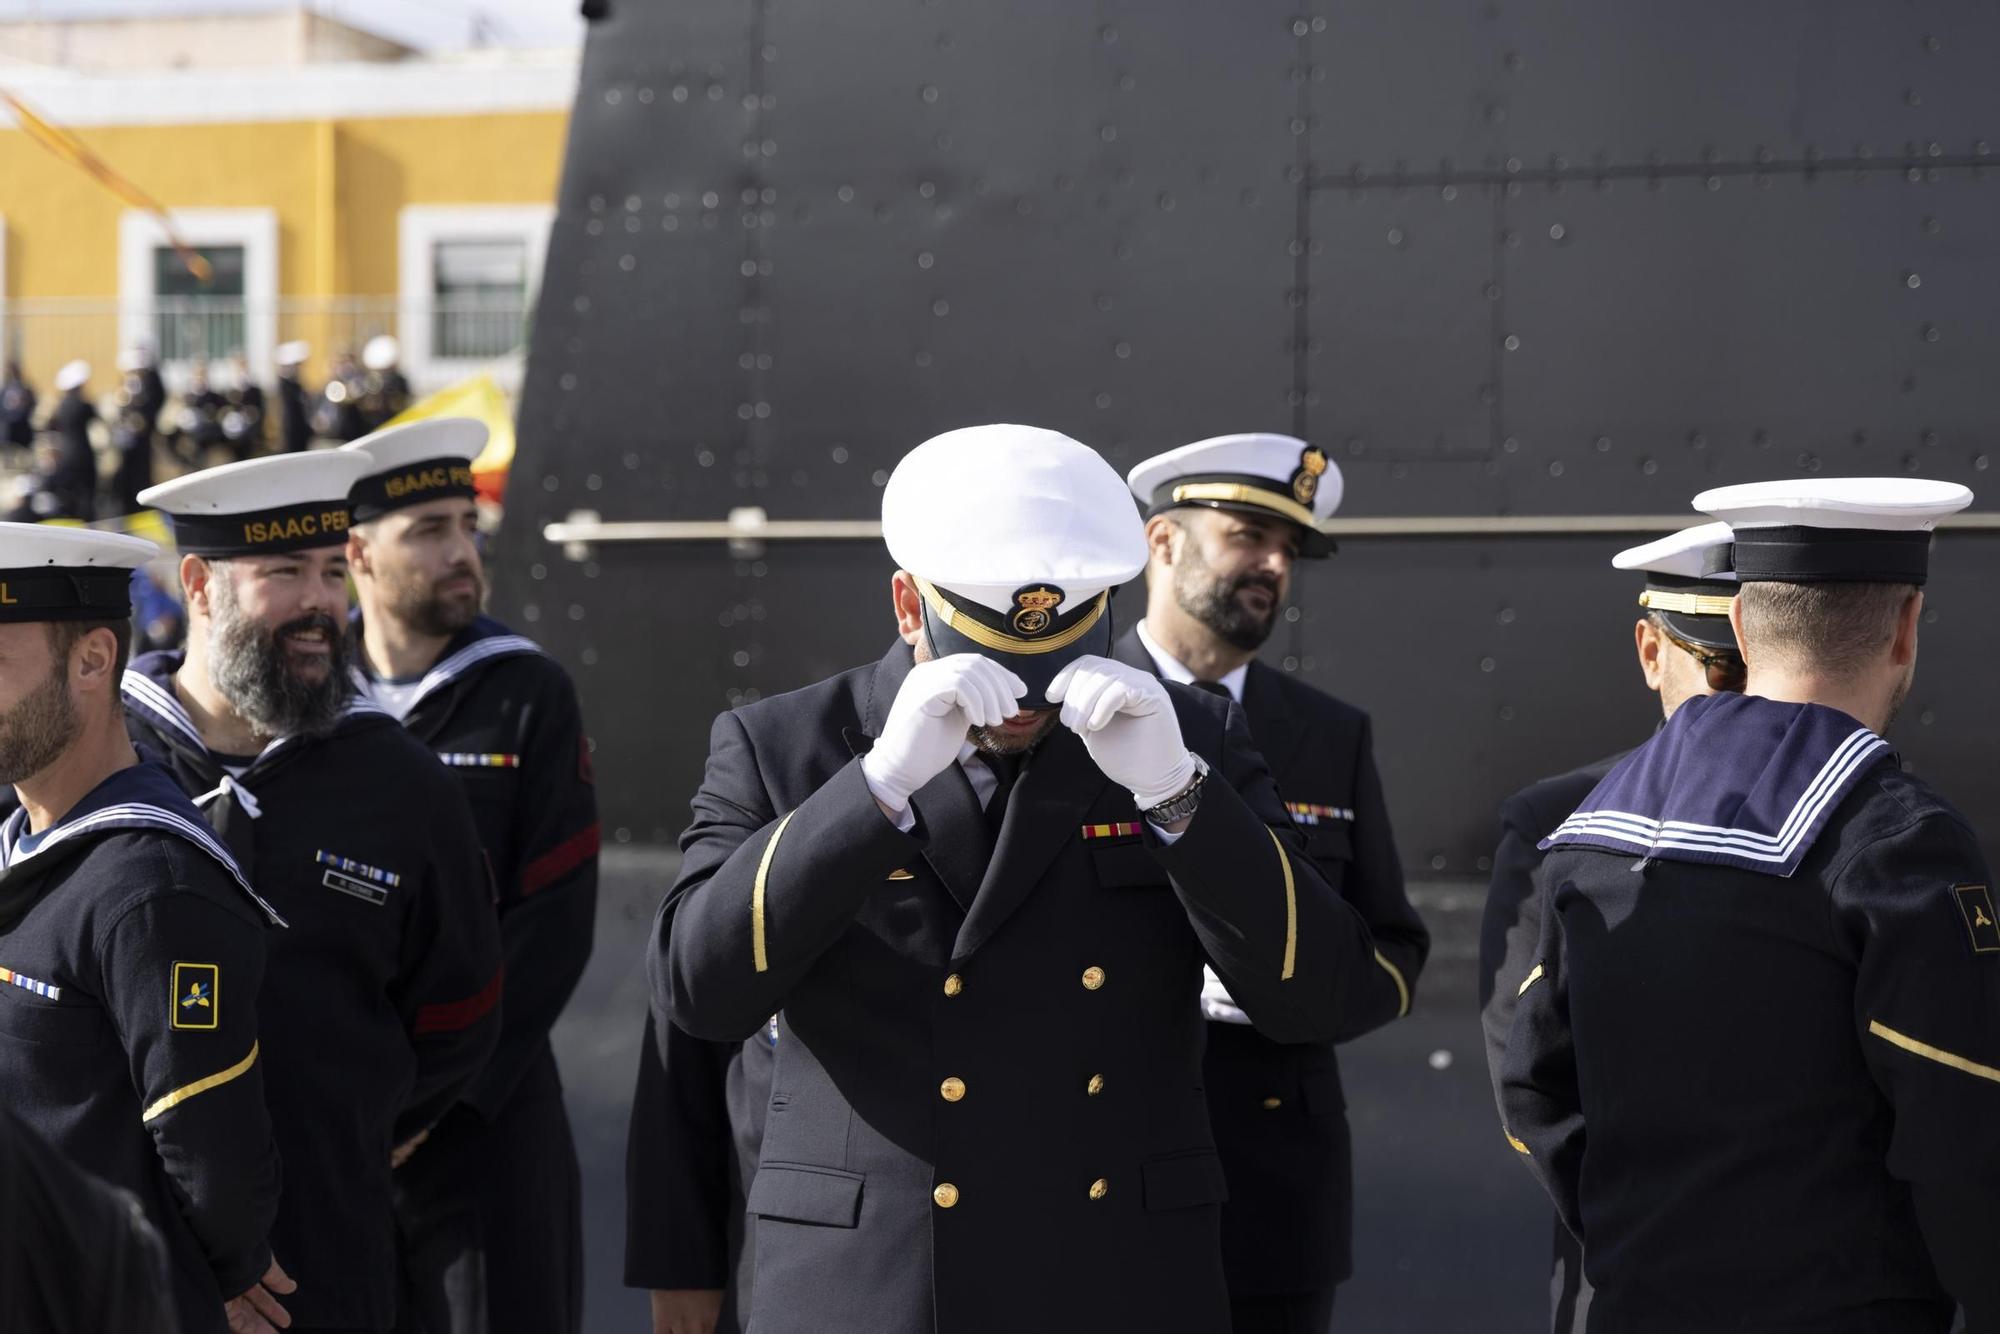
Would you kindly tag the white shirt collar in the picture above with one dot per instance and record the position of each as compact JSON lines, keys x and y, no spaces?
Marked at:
{"x":1174,"y":670}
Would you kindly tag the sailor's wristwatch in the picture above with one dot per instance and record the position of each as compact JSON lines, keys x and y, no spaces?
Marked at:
{"x":1178,"y":808}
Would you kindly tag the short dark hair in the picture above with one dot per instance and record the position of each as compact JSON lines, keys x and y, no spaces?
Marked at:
{"x":63,"y":636}
{"x":1835,"y":628}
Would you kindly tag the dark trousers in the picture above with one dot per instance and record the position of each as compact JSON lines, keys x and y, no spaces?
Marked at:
{"x":1285,"y":1313}
{"x":490,"y":1224}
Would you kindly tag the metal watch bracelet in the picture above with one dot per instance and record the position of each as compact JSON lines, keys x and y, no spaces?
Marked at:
{"x":1185,"y":804}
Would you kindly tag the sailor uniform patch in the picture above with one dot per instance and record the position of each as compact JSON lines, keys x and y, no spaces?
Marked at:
{"x":359,"y":889}
{"x":354,"y":868}
{"x":194,"y":1002}
{"x":1976,"y":903}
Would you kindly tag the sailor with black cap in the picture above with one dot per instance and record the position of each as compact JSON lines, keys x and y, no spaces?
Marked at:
{"x":131,"y":946}
{"x":1757,"y":1061}
{"x":382,"y":998}
{"x":494,"y":1193}
{"x":1227,"y":520}
{"x":976,"y":882}
{"x":1686,"y":647}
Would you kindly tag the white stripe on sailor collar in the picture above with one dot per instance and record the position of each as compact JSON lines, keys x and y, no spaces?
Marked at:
{"x":130,"y":815}
{"x":150,"y":696}
{"x":478,"y":651}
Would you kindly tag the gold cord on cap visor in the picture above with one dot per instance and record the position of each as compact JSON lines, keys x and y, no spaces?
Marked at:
{"x":987,"y":637}
{"x":1237,"y":493}
{"x":1687,"y":604}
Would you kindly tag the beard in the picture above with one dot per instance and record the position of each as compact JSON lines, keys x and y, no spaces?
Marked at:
{"x":992,"y":741}
{"x":35,"y":732}
{"x":417,"y":602}
{"x":251,"y":667}
{"x":1213,"y":600}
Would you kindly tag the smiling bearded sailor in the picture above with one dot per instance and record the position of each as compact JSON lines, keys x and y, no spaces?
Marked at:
{"x":131,"y":948}
{"x":382,"y":997}
{"x":495,"y":1191}
{"x":1757,"y":1062}
{"x":977,"y":881}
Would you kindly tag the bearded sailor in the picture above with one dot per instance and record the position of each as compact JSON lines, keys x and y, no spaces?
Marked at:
{"x":383,"y":1000}
{"x":132,"y":949}
{"x":1757,"y":1063}
{"x":496,"y":1190}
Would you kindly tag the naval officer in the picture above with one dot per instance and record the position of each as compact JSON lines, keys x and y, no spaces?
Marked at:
{"x":1686,"y":647}
{"x":976,"y":882}
{"x":1227,"y":519}
{"x":1756,"y":1063}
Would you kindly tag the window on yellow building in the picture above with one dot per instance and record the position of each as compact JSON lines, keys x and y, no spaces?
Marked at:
{"x":196,"y":321}
{"x":479,"y":292}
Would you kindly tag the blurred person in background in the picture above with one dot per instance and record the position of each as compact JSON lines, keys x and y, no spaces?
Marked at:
{"x":295,"y":431}
{"x":384,"y":390}
{"x":17,"y":409}
{"x":242,"y":411}
{"x":337,"y":414}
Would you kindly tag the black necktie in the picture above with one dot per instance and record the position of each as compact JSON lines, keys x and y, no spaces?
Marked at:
{"x":1214,"y":688}
{"x":1007,"y":770}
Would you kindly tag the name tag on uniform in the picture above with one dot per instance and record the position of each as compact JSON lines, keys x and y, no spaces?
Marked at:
{"x":370,"y":884}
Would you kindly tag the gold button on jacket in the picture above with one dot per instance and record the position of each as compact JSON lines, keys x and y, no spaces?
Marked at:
{"x":1099,"y":1188}
{"x":952,"y":1089}
{"x":1095,"y":1086}
{"x":946,"y":1195}
{"x":1093,"y":978}
{"x":953,"y":985}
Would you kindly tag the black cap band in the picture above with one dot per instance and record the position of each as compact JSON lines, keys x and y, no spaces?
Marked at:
{"x":263,"y":532}
{"x":433,"y":479}
{"x":1245,"y":493}
{"x":65,"y":593}
{"x":1796,"y":554}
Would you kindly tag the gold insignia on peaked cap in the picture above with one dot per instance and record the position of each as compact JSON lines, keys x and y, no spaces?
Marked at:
{"x":1034,"y":609}
{"x":1305,"y":479}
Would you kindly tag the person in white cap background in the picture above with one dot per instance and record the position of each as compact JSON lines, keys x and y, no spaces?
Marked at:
{"x":385,"y":391}
{"x":1686,"y":647}
{"x":68,"y":480}
{"x":132,"y":949}
{"x":1226,"y":521}
{"x":1757,"y":1061}
{"x":496,"y":1191}
{"x":295,"y":431}
{"x":383,"y":996}
{"x":17,"y":408}
{"x":976,"y":883}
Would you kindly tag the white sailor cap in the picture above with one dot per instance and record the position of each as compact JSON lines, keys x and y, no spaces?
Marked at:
{"x":415,"y":463}
{"x":73,"y":374}
{"x":1689,"y":584}
{"x":292,"y":354}
{"x":381,"y":352}
{"x":283,"y":502}
{"x":1272,"y":475}
{"x":1016,"y":537}
{"x":54,"y":572}
{"x":1833,"y":529}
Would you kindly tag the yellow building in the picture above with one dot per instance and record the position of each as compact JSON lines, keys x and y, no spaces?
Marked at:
{"x":333,"y":199}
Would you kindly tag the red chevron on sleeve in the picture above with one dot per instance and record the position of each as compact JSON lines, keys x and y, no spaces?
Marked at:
{"x":560,"y":860}
{"x":451,"y":1016}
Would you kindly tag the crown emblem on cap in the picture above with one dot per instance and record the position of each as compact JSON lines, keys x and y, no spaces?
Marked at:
{"x":1305,"y":481}
{"x":1034,"y":608}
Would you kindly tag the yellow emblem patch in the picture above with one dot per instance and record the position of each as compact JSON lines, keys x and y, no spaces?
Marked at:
{"x":1305,"y":478}
{"x":194,"y":1003}
{"x":1976,"y":903}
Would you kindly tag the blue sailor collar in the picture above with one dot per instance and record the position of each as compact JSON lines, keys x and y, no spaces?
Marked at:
{"x":471,"y":648}
{"x":1731,"y":780}
{"x":148,"y":688}
{"x":143,"y":796}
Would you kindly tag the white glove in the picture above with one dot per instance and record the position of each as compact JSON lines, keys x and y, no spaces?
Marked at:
{"x":1128,"y":725}
{"x":926,"y":728}
{"x":1216,"y":1003}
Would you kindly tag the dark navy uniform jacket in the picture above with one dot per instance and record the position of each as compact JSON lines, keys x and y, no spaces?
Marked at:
{"x":1757,"y":1063}
{"x":987,"y":1112}
{"x":1279,"y":1112}
{"x":383,"y":996}
{"x":131,"y":959}
{"x":503,"y":717}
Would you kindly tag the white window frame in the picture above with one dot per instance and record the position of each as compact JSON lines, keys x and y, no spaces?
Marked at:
{"x":254,"y":229}
{"x":418,"y":230}
{"x":8,"y":352}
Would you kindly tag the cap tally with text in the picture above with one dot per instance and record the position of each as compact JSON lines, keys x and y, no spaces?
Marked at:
{"x":1688,"y":583}
{"x":1280,"y":476}
{"x":279,"y":503}
{"x":1868,"y":530}
{"x":1016,"y":537}
{"x":414,"y":463}
{"x":51,"y":573}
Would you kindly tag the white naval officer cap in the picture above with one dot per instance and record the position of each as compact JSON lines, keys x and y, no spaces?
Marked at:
{"x":263,"y":506}
{"x":1689,"y":584}
{"x":1016,"y":536}
{"x":59,"y":573}
{"x":1833,"y":529}
{"x":73,"y":374}
{"x":292,"y":353}
{"x":1278,"y":476}
{"x":416,"y":463}
{"x":381,"y":352}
